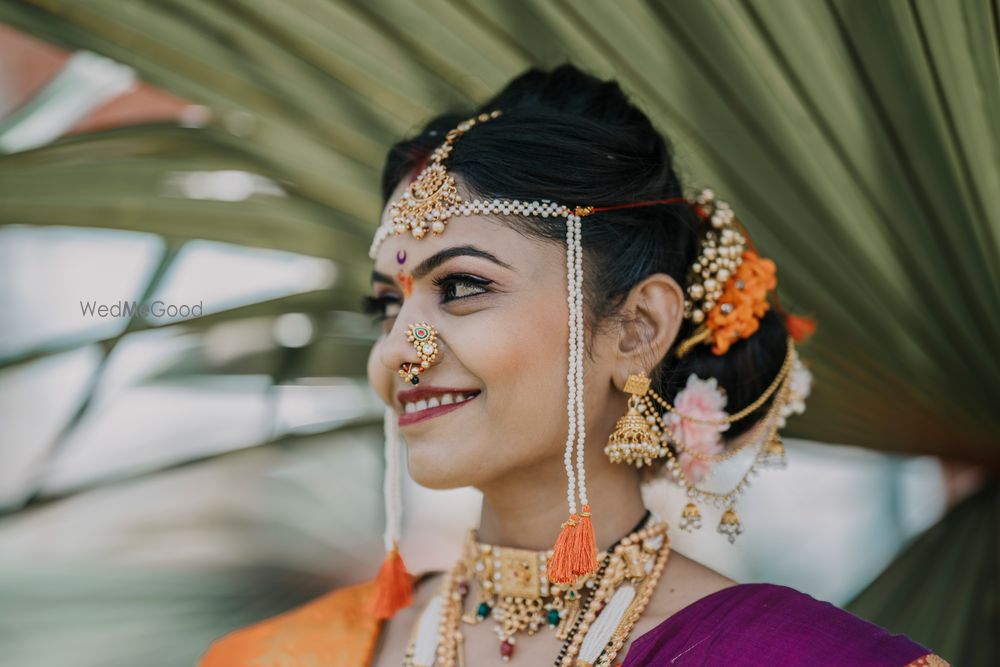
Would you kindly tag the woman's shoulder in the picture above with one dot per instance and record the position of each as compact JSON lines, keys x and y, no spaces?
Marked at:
{"x":763,"y":623}
{"x":711,"y":619}
{"x":333,"y":629}
{"x":683,"y":582}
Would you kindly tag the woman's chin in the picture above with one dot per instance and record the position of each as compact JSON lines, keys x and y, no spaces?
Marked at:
{"x":439,"y":479}
{"x":439,"y":472}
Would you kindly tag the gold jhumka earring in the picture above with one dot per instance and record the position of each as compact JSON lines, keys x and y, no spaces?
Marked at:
{"x":633,"y":441}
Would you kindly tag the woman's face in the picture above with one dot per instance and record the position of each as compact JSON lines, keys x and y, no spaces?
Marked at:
{"x":498,"y":302}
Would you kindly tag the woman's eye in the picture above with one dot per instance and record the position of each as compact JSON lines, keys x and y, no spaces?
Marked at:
{"x":456,"y":286}
{"x":452,"y":287}
{"x":382,"y":307}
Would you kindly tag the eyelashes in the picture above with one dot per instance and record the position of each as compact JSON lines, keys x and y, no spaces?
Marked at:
{"x":456,"y":279}
{"x":376,"y":306}
{"x":453,"y":287}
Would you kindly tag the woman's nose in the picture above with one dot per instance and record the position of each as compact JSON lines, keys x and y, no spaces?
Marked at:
{"x":395,"y":349}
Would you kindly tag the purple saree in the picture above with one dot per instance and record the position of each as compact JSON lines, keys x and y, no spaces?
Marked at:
{"x":740,"y":626}
{"x":773,"y":625}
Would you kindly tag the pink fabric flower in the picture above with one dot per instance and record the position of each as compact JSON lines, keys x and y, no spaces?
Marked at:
{"x":701,"y":399}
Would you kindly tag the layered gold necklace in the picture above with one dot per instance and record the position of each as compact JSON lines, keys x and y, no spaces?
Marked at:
{"x":592,"y":616}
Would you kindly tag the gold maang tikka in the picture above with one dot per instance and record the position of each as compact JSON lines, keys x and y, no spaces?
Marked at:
{"x":432,"y":198}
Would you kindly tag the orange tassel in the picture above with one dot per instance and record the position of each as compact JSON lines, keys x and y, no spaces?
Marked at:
{"x":800,"y":328}
{"x":560,"y":570}
{"x":584,"y":558}
{"x":393,"y":587}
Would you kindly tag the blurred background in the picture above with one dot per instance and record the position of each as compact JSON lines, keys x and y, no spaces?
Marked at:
{"x":169,"y":476}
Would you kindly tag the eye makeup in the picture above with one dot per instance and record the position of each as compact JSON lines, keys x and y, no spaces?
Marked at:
{"x":453,"y":287}
{"x":453,"y":281}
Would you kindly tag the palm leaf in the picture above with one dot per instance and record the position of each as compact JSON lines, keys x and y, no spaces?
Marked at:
{"x":852,"y":162}
{"x":857,"y":141}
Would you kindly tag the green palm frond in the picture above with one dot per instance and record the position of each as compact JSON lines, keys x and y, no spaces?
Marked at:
{"x":854,"y":139}
{"x":857,"y":140}
{"x":121,"y":178}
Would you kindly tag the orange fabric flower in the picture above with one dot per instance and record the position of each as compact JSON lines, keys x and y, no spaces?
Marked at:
{"x":800,"y":327}
{"x":743,"y":302}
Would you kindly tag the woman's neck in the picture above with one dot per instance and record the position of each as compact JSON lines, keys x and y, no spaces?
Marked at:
{"x":526,"y":508}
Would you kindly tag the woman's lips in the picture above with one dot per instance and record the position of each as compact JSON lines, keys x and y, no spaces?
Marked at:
{"x":407,"y":418}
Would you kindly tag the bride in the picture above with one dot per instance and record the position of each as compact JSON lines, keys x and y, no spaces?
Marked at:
{"x":560,"y":324}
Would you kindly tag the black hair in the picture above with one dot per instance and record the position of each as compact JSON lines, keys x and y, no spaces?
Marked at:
{"x":569,"y":137}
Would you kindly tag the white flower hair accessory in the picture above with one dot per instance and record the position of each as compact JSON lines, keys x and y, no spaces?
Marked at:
{"x":799,"y":385}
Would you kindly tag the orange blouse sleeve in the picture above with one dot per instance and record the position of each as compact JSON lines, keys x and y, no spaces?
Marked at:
{"x":333,"y":630}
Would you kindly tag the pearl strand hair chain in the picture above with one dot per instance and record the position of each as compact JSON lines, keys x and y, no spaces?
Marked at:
{"x":577,"y":286}
{"x":571,"y":378}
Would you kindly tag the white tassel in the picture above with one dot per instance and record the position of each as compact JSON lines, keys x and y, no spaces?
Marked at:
{"x":391,"y":482}
{"x":605,"y":624}
{"x":425,"y":646}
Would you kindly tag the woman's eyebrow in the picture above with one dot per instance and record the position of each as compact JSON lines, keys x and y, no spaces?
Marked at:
{"x":441,"y":257}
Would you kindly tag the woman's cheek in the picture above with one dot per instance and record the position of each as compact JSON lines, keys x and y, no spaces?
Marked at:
{"x":533,"y":360}
{"x":378,"y":377}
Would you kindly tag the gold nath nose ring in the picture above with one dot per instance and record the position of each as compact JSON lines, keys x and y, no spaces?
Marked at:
{"x":424,"y":339}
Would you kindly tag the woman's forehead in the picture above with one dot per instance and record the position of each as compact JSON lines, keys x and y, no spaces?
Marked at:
{"x":477,"y":231}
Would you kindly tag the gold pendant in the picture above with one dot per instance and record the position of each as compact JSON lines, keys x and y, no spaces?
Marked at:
{"x":730,"y":524}
{"x":774,"y":454}
{"x":690,"y":518}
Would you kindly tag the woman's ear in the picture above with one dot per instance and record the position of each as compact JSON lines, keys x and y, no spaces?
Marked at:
{"x":653,"y":311}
